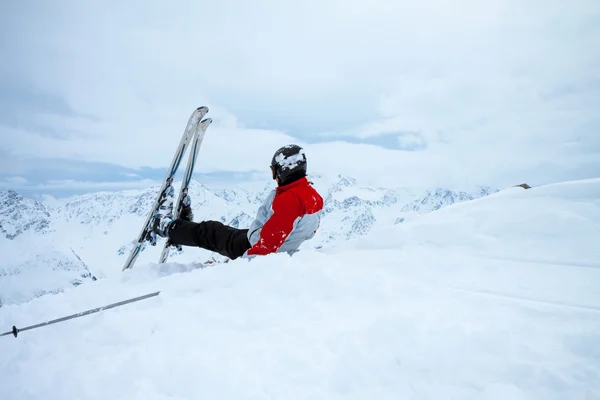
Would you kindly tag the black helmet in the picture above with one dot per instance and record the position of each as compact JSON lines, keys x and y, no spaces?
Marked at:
{"x":288,"y":160}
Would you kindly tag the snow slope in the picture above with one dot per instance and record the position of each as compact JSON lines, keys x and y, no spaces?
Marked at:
{"x":47,"y":248}
{"x":495,"y":298}
{"x":33,"y":263}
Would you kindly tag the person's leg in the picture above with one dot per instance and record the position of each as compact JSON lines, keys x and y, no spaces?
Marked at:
{"x":210,"y":235}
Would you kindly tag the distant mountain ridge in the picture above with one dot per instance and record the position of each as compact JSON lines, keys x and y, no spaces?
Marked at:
{"x":40,"y":239}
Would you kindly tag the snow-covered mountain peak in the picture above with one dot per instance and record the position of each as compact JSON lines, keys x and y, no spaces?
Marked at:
{"x":441,"y":197}
{"x":19,"y":215}
{"x":105,"y":207}
{"x":336,"y":184}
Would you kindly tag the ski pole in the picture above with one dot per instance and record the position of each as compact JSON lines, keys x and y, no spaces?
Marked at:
{"x":15,"y":331}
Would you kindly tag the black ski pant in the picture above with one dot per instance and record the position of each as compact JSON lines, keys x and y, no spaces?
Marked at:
{"x":210,"y":235}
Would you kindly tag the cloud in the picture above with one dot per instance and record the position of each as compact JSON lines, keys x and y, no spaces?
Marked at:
{"x":223,"y":148}
{"x":72,"y":185}
{"x":411,"y":141}
{"x":16,"y":180}
{"x":483,"y":90}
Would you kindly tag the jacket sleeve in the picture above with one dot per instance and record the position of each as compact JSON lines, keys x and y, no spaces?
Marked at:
{"x":286,"y":209}
{"x":260,"y":218}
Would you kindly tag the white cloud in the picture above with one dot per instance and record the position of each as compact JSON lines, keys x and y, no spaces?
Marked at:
{"x":494,"y":89}
{"x":50,"y":201}
{"x":411,"y":141}
{"x":70,"y":185}
{"x":223,"y":148}
{"x":16,"y":180}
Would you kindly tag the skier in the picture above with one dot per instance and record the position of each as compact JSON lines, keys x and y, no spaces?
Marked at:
{"x":289,"y":215}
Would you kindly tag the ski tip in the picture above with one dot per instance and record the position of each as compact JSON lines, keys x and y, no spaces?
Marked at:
{"x":202,"y":109}
{"x":206,"y":121}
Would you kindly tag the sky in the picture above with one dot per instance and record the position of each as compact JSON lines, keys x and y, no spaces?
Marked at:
{"x":95,"y":95}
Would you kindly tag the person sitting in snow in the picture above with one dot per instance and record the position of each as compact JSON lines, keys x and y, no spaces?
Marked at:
{"x":289,"y":215}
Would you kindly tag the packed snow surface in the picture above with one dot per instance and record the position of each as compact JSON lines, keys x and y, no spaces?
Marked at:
{"x":494,"y":298}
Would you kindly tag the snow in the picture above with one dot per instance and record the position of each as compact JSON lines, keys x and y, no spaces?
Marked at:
{"x":290,"y":161}
{"x":87,"y":235}
{"x":18,"y":215}
{"x":493,"y":298}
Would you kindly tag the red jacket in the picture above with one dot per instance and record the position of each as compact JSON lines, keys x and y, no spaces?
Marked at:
{"x":290,"y":215}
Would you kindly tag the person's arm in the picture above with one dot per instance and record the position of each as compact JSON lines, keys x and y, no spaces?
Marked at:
{"x":261,"y":217}
{"x":286,"y":209}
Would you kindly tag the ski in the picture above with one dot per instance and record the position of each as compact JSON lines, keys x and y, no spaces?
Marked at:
{"x":187,"y":177}
{"x":188,"y":133}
